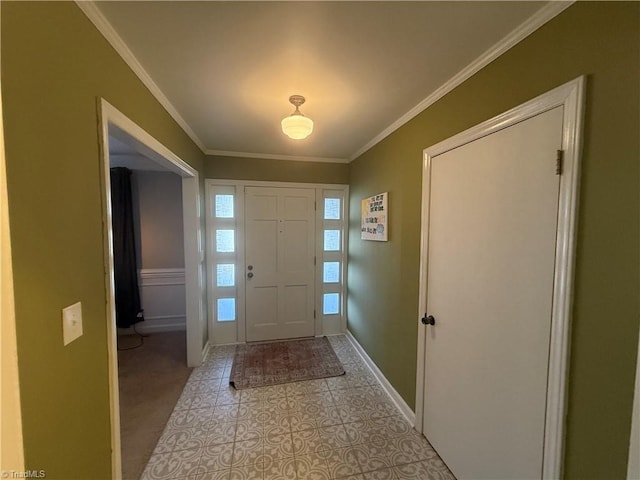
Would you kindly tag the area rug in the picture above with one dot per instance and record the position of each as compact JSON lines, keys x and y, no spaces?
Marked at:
{"x":259,"y":365}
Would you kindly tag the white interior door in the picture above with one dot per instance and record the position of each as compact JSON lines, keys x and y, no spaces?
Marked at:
{"x":492,"y":233}
{"x":279,"y":258}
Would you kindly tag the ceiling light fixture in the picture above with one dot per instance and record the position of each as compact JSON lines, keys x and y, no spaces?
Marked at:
{"x":296,"y":125}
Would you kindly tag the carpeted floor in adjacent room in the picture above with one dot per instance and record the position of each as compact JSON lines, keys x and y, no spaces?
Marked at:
{"x":151,"y":379}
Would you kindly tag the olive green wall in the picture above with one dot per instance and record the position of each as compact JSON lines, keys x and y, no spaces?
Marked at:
{"x":55,"y":65}
{"x":601,"y":40}
{"x":260,"y":169}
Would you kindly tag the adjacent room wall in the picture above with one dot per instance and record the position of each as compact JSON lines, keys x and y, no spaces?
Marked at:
{"x":260,"y":169}
{"x":601,"y":40}
{"x":159,"y":229}
{"x":159,"y":232}
{"x":55,"y":67}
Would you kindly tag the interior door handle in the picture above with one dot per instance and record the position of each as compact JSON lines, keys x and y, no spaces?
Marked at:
{"x":250,"y":274}
{"x":428,"y":320}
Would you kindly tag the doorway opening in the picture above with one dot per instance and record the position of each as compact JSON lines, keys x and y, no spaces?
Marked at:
{"x":152,"y":360}
{"x":144,"y":153}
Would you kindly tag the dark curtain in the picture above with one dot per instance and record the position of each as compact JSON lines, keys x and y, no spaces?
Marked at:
{"x":127,"y":294}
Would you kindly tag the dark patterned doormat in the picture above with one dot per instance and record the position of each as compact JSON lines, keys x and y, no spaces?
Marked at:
{"x":259,"y":365}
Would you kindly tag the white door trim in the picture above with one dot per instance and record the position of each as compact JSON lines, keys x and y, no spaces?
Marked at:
{"x":571,"y":97}
{"x":239,"y":185}
{"x":115,"y":123}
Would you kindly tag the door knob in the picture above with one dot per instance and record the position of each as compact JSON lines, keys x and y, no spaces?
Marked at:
{"x":250,"y":267}
{"x":250,"y":274}
{"x":428,"y":320}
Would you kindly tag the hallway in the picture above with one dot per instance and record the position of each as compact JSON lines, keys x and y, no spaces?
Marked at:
{"x":340,"y":427}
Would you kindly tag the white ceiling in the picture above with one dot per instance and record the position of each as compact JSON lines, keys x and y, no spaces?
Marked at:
{"x":226,"y":69}
{"x":121,"y":154}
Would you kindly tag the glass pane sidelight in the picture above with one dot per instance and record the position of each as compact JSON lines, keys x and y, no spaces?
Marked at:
{"x":331,"y":303}
{"x":331,"y":272}
{"x":332,"y":240}
{"x":332,"y":209}
{"x":225,"y":241}
{"x":226,"y":309}
{"x":225,"y":275}
{"x":224,"y":206}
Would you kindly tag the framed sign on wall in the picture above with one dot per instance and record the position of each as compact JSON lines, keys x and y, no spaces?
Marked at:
{"x":375,"y":218}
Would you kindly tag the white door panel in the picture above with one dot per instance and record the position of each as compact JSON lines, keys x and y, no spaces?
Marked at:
{"x":279,"y":247}
{"x":492,"y":232}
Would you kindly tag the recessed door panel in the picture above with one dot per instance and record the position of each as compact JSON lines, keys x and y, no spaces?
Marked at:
{"x":296,"y":244}
{"x":263,"y":253}
{"x":296,"y":304}
{"x":264,"y":307}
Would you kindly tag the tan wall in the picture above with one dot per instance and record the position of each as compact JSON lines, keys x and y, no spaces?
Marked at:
{"x":236,"y":168}
{"x":55,"y":67}
{"x":11,"y":451}
{"x":602,"y":41}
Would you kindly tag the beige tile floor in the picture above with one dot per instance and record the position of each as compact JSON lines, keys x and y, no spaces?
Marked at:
{"x":340,"y":427}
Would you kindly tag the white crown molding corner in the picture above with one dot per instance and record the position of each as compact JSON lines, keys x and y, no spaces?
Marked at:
{"x":270,"y":156}
{"x":93,"y":13}
{"x":386,"y":385}
{"x":533,"y":23}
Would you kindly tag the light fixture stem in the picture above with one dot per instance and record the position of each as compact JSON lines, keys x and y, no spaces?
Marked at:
{"x":297,"y":100}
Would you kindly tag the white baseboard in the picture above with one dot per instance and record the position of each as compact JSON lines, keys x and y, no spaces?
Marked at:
{"x":386,"y":385}
{"x":157,"y":324}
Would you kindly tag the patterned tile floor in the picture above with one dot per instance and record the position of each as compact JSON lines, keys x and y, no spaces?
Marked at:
{"x":336,"y":428}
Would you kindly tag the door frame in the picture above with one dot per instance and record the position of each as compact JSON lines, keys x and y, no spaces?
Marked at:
{"x":114,"y":123}
{"x":235,"y":332}
{"x":571,"y":97}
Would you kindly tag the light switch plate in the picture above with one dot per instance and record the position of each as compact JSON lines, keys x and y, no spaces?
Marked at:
{"x":71,"y":323}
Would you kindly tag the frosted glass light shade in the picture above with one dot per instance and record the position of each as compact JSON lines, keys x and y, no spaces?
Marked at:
{"x":297,"y":126}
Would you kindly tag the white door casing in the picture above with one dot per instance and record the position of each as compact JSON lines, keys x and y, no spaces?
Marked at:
{"x":570,"y":98}
{"x":279,"y":256}
{"x":114,"y":123}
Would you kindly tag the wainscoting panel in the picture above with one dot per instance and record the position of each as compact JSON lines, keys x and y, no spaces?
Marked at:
{"x":162,"y":293}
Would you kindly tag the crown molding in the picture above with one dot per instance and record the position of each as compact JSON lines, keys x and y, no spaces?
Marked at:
{"x":269,"y":156}
{"x":542,"y":16}
{"x":93,"y":13}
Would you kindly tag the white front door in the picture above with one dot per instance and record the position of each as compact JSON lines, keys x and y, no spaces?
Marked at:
{"x":279,"y":259}
{"x":493,"y":211}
